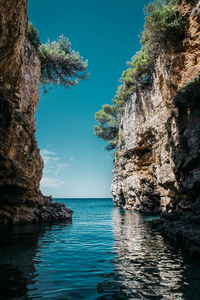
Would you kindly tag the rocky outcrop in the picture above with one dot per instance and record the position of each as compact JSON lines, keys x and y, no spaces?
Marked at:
{"x":20,"y":162}
{"x":157,"y":164}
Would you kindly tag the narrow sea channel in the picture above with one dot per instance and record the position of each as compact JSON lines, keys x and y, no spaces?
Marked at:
{"x":105,"y":253}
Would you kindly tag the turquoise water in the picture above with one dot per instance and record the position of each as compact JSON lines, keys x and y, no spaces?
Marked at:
{"x":105,"y":253}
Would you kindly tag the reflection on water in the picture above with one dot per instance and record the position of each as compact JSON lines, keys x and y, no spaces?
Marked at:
{"x":105,"y":253}
{"x":148,"y":267}
{"x":18,"y":247}
{"x":18,"y":257}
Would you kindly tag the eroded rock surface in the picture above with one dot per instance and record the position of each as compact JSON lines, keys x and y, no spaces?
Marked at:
{"x":157,"y":166}
{"x":20,"y":162}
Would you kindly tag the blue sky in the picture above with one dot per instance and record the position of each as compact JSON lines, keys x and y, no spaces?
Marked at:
{"x":106,"y":33}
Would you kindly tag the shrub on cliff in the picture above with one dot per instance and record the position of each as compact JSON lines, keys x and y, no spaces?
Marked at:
{"x":140,"y":67}
{"x":121,"y":95}
{"x":163,"y":22}
{"x":59,"y":64}
{"x":33,"y":36}
{"x":108,"y":125}
{"x":109,"y":117}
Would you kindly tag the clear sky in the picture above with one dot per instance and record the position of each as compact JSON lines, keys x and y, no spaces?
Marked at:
{"x":106,"y":33}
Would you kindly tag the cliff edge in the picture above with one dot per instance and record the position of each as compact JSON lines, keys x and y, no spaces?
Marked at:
{"x":21,"y":165}
{"x":157,"y":163}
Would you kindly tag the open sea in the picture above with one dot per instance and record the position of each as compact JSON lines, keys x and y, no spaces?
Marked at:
{"x":105,"y":253}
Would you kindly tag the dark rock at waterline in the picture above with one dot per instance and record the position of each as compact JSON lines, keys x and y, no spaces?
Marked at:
{"x":47,"y":212}
{"x":182,"y":228}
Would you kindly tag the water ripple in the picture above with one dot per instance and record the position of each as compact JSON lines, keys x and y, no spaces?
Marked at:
{"x":105,"y":253}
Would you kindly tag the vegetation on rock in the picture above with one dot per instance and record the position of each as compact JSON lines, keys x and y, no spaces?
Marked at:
{"x":163,"y":23}
{"x":59,"y":64}
{"x":168,"y":125}
{"x":33,"y":36}
{"x":108,"y":125}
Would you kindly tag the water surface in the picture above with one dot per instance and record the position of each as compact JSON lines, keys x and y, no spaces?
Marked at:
{"x":105,"y":253}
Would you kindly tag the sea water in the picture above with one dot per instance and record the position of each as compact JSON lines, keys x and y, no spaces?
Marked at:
{"x":104,"y":253}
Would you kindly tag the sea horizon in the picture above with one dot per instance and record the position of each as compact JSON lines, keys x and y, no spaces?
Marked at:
{"x":82,"y":198}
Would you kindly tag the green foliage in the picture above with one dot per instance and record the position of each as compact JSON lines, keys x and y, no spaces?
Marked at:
{"x":112,"y":144}
{"x":59,"y":64}
{"x":140,"y":67}
{"x":121,"y":135}
{"x":109,"y":118}
{"x":122,"y":94}
{"x":169,"y":144}
{"x":167,"y":147}
{"x":33,"y":36}
{"x":108,"y":125}
{"x":172,"y":113}
{"x":163,"y":22}
{"x":188,"y":96}
{"x":168,"y":126}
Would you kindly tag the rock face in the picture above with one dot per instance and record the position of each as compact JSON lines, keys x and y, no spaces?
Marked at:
{"x":157,"y":164}
{"x":20,"y":161}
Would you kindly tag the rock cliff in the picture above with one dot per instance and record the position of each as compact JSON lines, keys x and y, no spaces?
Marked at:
{"x":20,"y":162}
{"x":157,"y":163}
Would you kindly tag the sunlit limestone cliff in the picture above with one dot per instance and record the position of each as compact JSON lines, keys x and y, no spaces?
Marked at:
{"x":20,"y":162}
{"x":157,"y":162}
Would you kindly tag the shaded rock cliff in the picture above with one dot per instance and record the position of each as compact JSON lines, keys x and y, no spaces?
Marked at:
{"x":157,"y":163}
{"x":20,"y":162}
